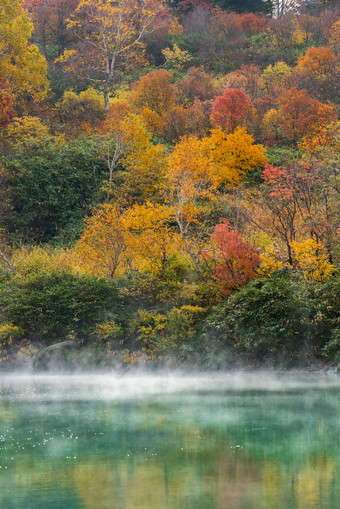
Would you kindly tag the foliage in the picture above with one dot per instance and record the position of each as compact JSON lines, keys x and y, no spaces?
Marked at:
{"x":154,"y":91}
{"x":21,"y":64}
{"x":52,"y":187}
{"x":153,"y":130}
{"x":312,"y":259}
{"x":5,"y":104}
{"x":176,"y":58}
{"x":77,"y":110}
{"x":235,"y":259}
{"x":50,"y":301}
{"x":150,"y":237}
{"x":8,"y":334}
{"x":281,"y":318}
{"x":298,"y":112}
{"x":233,"y":155}
{"x":102,"y":243}
{"x":26,"y":130}
{"x":230,"y":109}
{"x":109,"y":36}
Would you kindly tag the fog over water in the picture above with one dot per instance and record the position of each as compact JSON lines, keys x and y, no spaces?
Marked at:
{"x":170,"y":440}
{"x":117,"y":386}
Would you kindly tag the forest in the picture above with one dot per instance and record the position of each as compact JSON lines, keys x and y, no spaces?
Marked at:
{"x":169,"y":181}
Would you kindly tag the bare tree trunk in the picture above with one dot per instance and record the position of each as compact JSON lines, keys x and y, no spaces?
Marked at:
{"x":106,"y":98}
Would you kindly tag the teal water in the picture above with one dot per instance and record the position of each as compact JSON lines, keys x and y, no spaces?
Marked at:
{"x":177,"y":442}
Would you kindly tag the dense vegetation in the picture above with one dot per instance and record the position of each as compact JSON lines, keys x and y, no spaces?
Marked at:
{"x":169,"y":180}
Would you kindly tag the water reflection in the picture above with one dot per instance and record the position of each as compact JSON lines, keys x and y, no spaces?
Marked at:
{"x":206,"y":442}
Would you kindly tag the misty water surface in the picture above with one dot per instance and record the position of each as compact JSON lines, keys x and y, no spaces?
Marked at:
{"x":175,"y":442}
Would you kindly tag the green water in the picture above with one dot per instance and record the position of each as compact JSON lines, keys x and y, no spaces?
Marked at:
{"x":176,"y":442}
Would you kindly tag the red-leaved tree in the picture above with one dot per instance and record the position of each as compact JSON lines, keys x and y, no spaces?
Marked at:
{"x":236,"y":260}
{"x":230,"y":109}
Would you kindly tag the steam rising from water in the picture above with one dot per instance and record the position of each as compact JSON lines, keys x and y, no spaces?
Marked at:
{"x":117,"y":387}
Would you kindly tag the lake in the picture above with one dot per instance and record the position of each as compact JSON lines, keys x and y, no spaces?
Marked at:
{"x":170,"y":441}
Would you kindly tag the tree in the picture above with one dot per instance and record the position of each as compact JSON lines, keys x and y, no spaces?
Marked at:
{"x":246,"y":78}
{"x":102,"y":244}
{"x":22,"y":67}
{"x":154,"y":91}
{"x":81,"y":112}
{"x":50,"y":24}
{"x":191,"y":180}
{"x":334,"y":39}
{"x":236,"y":260}
{"x":5,"y":104}
{"x":49,"y":298}
{"x":196,"y":85}
{"x":150,"y":236}
{"x":230,"y":109}
{"x":233,"y":155}
{"x":298,"y":113}
{"x":52,"y":186}
{"x":312,"y":260}
{"x":318,"y":73}
{"x":110,"y":34}
{"x":276,"y":78}
{"x":127,"y":141}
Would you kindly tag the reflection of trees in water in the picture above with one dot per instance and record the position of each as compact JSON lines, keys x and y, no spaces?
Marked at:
{"x":214,"y":451}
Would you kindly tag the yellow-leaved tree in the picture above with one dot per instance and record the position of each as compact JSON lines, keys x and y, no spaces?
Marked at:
{"x":110,"y":36}
{"x":101,"y":247}
{"x":233,"y":155}
{"x":128,"y":142}
{"x":22,"y":66}
{"x":192,"y":182}
{"x":312,"y":260}
{"x":151,"y":238}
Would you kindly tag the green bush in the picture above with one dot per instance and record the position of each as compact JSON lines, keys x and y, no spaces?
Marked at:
{"x":283,"y":318}
{"x":53,"y":187}
{"x":51,"y":306}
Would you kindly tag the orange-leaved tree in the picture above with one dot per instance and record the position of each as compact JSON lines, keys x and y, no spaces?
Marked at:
{"x":298,"y":113}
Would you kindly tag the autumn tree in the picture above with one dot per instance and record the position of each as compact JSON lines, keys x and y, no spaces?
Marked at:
{"x":22,"y":68}
{"x":230,"y":109}
{"x":334,"y":38}
{"x":233,"y":155}
{"x":318,"y":72}
{"x":151,"y":238}
{"x":102,"y":245}
{"x":191,"y":180}
{"x":127,"y":142}
{"x":293,"y":205}
{"x":110,"y":36}
{"x":246,"y":78}
{"x":50,"y":24}
{"x":236,"y":260}
{"x":154,"y":91}
{"x":196,"y":85}
{"x":312,"y":260}
{"x":81,"y":111}
{"x":298,"y":112}
{"x":5,"y":104}
{"x":277,"y":78}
